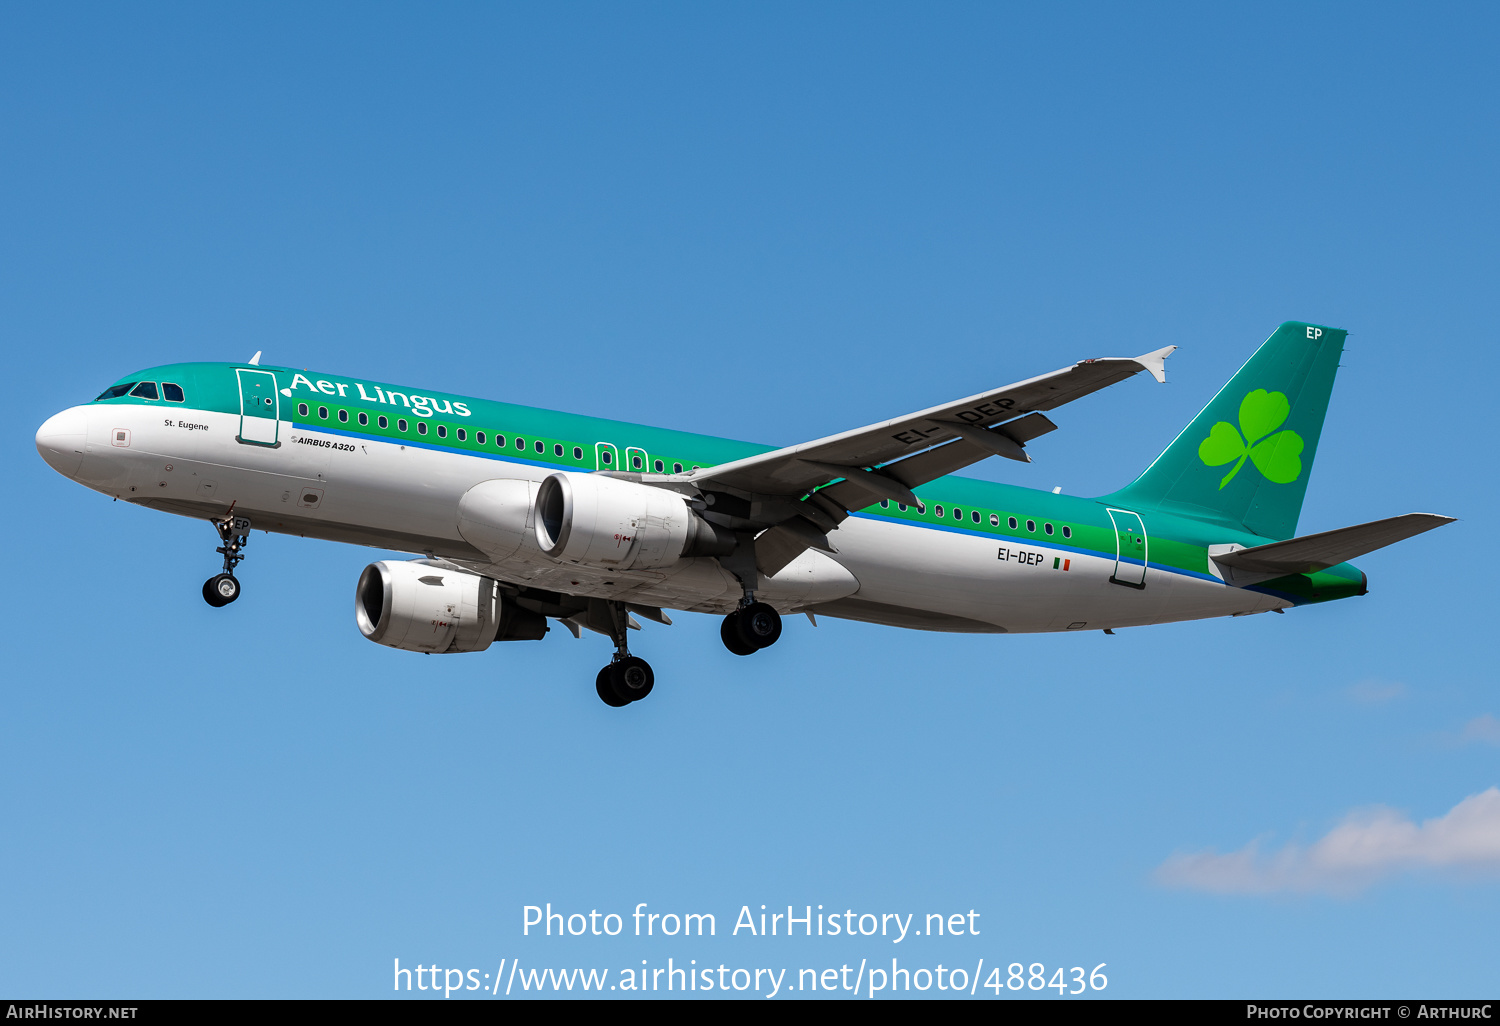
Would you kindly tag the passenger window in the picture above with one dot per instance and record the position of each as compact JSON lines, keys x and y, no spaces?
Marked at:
{"x":500,"y":441}
{"x":343,"y":416}
{"x":606,"y":457}
{"x":401,"y":424}
{"x":557,"y":449}
{"x":994,"y":520}
{"x":115,"y":391}
{"x":421,"y":427}
{"x":939,"y":510}
{"x":172,"y":393}
{"x":901,"y":506}
{"x":364,"y":419}
{"x":145,"y":390}
{"x":1067,"y":532}
{"x":659,"y":466}
{"x":885,"y":503}
{"x":479,"y":437}
{"x":1012,"y":523}
{"x":635,"y":462}
{"x":323,"y":412}
{"x":462,"y":434}
{"x":1047,"y":528}
{"x":1031,"y":526}
{"x":958,"y":514}
{"x":520,"y":443}
{"x":977,"y":517}
{"x":442,"y":431}
{"x":383,"y":422}
{"x":301,"y":409}
{"x":677,"y":468}
{"x":577,"y":452}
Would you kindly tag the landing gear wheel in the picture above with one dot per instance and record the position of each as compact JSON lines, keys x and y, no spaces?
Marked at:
{"x":729,"y":633}
{"x":631,"y":678}
{"x":758,"y":625}
{"x":221,"y":590}
{"x":606,"y":690}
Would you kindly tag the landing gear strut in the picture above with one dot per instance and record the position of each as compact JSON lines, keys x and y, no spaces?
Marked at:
{"x":754,"y":625}
{"x":627,"y":678}
{"x":224,"y":588}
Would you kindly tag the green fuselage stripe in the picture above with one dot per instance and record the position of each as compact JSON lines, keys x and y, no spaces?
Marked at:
{"x":1077,"y":524}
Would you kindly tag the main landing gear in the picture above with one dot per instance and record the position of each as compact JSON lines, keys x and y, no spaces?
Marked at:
{"x":750,"y":628}
{"x":224,"y":588}
{"x":627,"y":678}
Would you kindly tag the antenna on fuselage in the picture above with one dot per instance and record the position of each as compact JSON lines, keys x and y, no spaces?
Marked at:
{"x":255,"y":360}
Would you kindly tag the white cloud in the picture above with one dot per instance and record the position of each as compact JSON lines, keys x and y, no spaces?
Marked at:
{"x":1482,"y":728}
{"x":1368,"y":845}
{"x":1375,"y":692}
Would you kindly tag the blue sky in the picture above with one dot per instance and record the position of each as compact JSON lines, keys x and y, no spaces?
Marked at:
{"x":768,"y":222}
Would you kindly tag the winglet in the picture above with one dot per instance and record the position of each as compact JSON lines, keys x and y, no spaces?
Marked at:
{"x":255,"y":360}
{"x":1156,"y":363}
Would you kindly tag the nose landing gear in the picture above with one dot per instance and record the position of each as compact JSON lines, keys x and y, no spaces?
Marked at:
{"x":221,"y":589}
{"x":224,"y":588}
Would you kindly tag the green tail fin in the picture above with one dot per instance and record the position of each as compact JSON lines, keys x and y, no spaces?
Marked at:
{"x":1245,"y":460}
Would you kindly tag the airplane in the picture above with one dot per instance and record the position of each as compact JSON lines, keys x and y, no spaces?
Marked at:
{"x":519,"y":516}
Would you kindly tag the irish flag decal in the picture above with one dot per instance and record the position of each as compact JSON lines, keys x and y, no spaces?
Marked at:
{"x":1058,"y":563}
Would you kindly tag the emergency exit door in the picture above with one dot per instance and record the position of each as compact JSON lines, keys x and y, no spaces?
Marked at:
{"x":1130,"y":549}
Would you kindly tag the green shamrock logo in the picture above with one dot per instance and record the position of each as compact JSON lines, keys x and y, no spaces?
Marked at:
{"x":1278,"y":456}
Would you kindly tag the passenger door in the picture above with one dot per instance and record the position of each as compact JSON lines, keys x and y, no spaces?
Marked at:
{"x":1130,"y":549}
{"x":260,"y":408}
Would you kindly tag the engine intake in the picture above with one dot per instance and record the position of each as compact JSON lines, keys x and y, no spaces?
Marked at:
{"x":620,"y":525}
{"x":423,"y":608}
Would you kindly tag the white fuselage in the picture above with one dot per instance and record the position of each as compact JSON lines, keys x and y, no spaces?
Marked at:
{"x":406,"y":497}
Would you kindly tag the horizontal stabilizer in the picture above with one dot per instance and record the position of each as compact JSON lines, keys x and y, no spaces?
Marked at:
{"x":1315,"y":552}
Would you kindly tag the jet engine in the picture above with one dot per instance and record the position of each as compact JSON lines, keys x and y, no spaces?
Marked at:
{"x":620,"y":525}
{"x":423,"y":608}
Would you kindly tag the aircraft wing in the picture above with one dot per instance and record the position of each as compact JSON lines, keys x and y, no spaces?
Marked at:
{"x":887,"y":460}
{"x":996,"y":422}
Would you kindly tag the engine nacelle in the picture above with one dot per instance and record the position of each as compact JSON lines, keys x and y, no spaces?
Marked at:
{"x":620,"y":525}
{"x":423,"y":608}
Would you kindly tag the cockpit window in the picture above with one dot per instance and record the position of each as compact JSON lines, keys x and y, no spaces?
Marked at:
{"x":171,"y":393}
{"x":145,"y":390}
{"x":115,"y":391}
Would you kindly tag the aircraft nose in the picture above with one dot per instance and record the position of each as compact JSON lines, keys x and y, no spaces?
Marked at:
{"x":60,"y":440}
